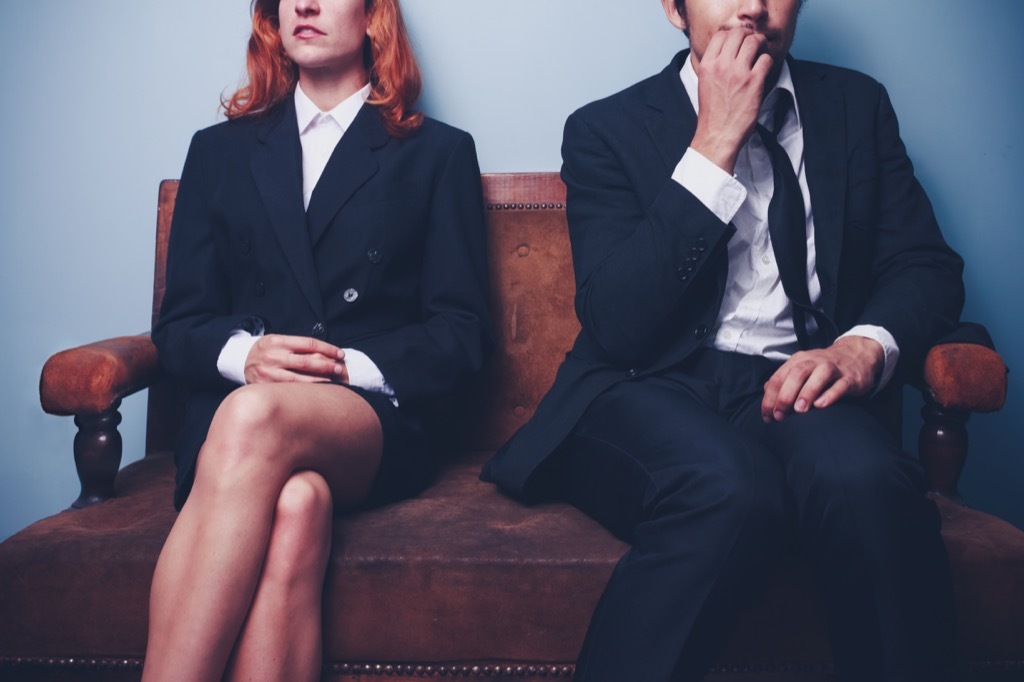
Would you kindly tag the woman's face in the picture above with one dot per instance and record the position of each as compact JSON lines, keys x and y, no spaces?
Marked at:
{"x":324,"y":37}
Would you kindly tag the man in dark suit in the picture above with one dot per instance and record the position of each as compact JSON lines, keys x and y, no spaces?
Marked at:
{"x":756,"y":267}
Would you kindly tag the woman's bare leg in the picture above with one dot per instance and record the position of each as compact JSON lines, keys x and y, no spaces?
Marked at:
{"x":281,"y":638}
{"x":207,"y":574}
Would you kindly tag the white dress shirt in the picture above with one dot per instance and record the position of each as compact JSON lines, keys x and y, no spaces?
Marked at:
{"x":756,"y":317}
{"x":319,"y":134}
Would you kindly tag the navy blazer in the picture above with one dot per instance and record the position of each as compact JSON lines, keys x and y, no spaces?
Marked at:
{"x":388,"y":259}
{"x":650,"y":259}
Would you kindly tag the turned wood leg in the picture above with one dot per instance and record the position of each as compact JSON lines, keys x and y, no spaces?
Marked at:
{"x":97,"y":455}
{"x":942,"y":445}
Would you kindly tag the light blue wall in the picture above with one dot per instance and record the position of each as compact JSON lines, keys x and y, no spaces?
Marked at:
{"x":100,"y":99}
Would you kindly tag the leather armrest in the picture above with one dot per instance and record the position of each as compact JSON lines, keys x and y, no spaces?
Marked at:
{"x":93,"y":378}
{"x":965,"y":376}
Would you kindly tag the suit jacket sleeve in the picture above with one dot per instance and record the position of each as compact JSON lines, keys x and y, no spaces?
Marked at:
{"x":452,"y":337}
{"x":916,"y":290}
{"x":196,"y":317}
{"x":641,"y":258}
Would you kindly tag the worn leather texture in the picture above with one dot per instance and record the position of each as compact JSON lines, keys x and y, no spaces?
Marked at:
{"x":966,"y":376}
{"x":460,"y":582}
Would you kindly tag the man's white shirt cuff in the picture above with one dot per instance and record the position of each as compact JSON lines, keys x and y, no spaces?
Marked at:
{"x":720,"y":192}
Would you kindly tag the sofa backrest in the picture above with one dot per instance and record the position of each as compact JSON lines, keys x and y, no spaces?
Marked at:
{"x":531,"y":298}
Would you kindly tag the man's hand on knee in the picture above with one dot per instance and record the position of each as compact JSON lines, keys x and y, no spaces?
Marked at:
{"x":820,"y":377}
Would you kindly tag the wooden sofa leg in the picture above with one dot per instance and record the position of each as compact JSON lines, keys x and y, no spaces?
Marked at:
{"x":942,"y":445}
{"x":97,"y":455}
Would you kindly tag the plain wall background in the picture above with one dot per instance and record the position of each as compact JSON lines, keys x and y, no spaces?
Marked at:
{"x":100,"y":99}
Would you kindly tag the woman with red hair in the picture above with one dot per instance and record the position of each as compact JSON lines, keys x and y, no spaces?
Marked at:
{"x":326,"y":282}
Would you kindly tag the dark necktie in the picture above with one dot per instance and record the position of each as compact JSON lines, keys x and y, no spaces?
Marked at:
{"x":787,"y":225}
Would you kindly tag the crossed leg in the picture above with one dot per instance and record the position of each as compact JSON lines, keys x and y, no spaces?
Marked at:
{"x":239,"y":580}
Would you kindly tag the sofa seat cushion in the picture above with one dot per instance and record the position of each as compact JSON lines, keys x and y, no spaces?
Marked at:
{"x":459,"y":574}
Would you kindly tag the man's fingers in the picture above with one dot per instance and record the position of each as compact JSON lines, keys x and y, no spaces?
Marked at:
{"x":771,"y":392}
{"x":714,"y":49}
{"x":821,"y":378}
{"x":763,"y":66}
{"x":795,"y":379}
{"x":836,"y":391}
{"x":751,"y":46}
{"x":795,"y":386}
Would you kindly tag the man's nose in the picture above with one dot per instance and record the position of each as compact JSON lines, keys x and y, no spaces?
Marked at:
{"x":750,"y":9}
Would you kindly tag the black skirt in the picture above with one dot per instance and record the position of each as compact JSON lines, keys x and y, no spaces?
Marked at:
{"x":408,"y":462}
{"x":408,"y":459}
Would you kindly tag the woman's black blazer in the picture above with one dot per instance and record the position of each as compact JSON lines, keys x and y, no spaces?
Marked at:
{"x":388,"y":259}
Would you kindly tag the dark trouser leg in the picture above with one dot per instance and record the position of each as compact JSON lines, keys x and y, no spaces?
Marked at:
{"x":861,"y":511}
{"x":703,"y":509}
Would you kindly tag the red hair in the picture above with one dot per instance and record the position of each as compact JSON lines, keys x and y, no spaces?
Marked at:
{"x":395,"y":81}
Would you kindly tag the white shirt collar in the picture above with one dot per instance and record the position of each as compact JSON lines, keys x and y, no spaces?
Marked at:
{"x":689,"y":77}
{"x":306,"y":112}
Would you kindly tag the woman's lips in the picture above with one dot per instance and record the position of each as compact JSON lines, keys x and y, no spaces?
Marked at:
{"x":307,"y":31}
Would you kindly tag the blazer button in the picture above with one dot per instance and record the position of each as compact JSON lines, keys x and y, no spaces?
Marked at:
{"x":701,"y":244}
{"x":700,"y":332}
{"x":631,"y":372}
{"x":245,"y":246}
{"x":374,"y":256}
{"x":319,"y":330}
{"x":260,"y":288}
{"x":350,"y":295}
{"x":682,"y":273}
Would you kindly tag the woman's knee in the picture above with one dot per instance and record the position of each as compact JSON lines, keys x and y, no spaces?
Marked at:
{"x":243,"y":431}
{"x":247,"y":410}
{"x":305,"y":502}
{"x":301,"y":532}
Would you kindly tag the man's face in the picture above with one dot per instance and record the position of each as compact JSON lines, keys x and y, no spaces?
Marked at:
{"x":701,"y":19}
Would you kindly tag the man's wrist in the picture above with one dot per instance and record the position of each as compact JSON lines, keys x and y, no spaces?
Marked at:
{"x":719,"y":191}
{"x":890,"y":351}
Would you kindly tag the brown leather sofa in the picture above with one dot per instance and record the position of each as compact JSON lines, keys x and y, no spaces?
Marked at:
{"x":460,"y":582}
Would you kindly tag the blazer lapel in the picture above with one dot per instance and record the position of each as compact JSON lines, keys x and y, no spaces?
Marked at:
{"x":823,"y":116}
{"x":352,"y":163}
{"x":276,"y":167}
{"x":671,"y":121}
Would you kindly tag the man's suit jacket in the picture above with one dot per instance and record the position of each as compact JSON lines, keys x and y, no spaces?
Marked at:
{"x":388,"y":259}
{"x":650,"y":259}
